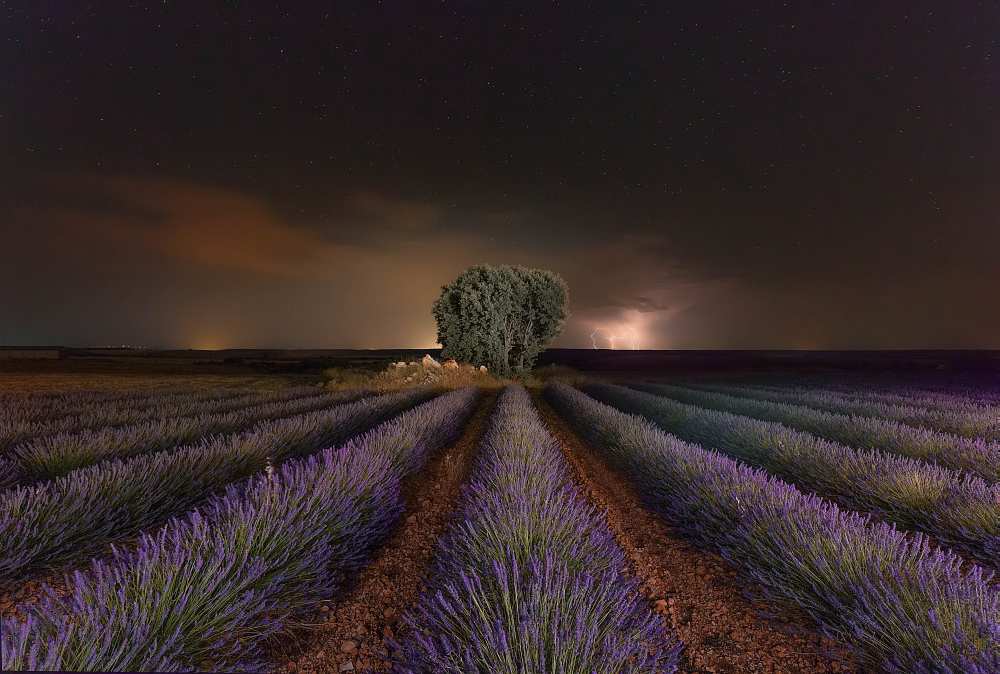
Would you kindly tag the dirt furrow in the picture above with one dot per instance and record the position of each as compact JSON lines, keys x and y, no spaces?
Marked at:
{"x":352,"y":632}
{"x":704,"y":599}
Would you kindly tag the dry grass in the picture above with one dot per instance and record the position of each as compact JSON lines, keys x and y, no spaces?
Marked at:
{"x":543,"y":375}
{"x":414,"y":374}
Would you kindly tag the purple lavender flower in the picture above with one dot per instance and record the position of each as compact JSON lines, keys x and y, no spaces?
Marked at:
{"x":975,"y":455}
{"x":18,"y":425}
{"x":960,"y":417}
{"x":864,"y":582}
{"x":51,"y":456}
{"x":529,"y":579}
{"x":85,"y":509}
{"x":960,"y":510}
{"x":211,"y":587}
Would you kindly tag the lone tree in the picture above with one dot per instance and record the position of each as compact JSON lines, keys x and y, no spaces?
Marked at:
{"x":500,"y":316}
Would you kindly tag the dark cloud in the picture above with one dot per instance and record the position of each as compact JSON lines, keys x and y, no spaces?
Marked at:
{"x":717,"y":174}
{"x":224,"y":268}
{"x":165,"y":262}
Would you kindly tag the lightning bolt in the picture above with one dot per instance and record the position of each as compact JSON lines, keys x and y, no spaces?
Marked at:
{"x":593,"y":337}
{"x":633,"y":338}
{"x":608,"y":336}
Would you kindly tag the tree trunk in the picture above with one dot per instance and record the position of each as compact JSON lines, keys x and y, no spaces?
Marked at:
{"x":506,"y":346}
{"x":525,"y":341}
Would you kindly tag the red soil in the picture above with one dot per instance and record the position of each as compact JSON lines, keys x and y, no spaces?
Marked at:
{"x":353,"y":631}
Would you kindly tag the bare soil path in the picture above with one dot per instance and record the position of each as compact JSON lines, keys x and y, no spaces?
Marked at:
{"x":703,"y":598}
{"x":353,"y":631}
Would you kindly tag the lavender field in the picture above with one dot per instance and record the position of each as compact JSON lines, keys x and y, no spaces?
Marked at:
{"x":592,"y":526}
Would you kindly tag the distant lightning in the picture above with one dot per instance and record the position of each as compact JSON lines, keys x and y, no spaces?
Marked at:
{"x":611,"y":337}
{"x":635,"y":339}
{"x":593,"y":337}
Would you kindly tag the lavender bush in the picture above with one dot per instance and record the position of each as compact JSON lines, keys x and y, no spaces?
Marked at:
{"x":529,"y":579}
{"x":85,"y":509}
{"x":52,"y":456}
{"x":949,"y":393}
{"x":931,"y":391}
{"x":14,"y":431}
{"x":41,"y":406}
{"x":206,"y":591}
{"x":904,"y":606}
{"x":961,"y":511}
{"x":899,"y":395}
{"x":973,"y":422}
{"x":978,"y":456}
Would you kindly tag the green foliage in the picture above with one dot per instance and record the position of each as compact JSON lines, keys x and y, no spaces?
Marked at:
{"x":501,"y":317}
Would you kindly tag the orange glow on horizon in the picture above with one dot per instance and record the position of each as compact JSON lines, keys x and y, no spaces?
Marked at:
{"x":209,"y":342}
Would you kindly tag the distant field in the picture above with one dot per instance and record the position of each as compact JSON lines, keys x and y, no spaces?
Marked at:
{"x":750,"y":522}
{"x":55,"y":382}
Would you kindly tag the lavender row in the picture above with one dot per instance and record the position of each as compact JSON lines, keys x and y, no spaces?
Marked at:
{"x":49,"y":456}
{"x":34,"y":406}
{"x":209,"y":590}
{"x":899,"y":395}
{"x":904,"y":606}
{"x":909,"y":391}
{"x":529,"y":579}
{"x":52,"y":456}
{"x":14,"y":431}
{"x":929,"y":391}
{"x":981,"y":394}
{"x":59,"y":410}
{"x":84,"y":396}
{"x":972,"y":422}
{"x":961,"y":511}
{"x":976,"y":456}
{"x":84,"y":510}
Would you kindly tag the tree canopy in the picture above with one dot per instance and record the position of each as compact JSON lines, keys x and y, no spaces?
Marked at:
{"x":501,"y":317}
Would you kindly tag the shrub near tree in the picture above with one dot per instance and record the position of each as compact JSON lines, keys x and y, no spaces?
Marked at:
{"x":501,"y":317}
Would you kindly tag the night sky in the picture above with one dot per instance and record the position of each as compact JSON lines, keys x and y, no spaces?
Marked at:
{"x":704,"y":174}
